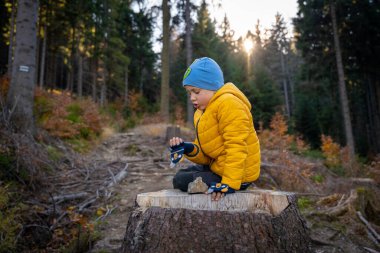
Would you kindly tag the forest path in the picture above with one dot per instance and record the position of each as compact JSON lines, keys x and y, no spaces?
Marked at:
{"x":145,"y":152}
{"x":146,"y":156}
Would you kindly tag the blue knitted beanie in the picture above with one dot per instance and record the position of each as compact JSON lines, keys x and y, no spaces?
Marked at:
{"x":204,"y":73}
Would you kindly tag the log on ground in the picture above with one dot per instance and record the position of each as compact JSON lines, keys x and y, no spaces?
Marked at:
{"x":248,"y":221}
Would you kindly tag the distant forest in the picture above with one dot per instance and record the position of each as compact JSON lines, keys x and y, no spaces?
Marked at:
{"x":324,"y":76}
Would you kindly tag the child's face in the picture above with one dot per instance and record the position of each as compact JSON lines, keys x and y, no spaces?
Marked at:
{"x":199,"y":97}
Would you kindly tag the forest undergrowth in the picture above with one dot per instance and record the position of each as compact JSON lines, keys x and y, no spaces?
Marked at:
{"x":52,"y":199}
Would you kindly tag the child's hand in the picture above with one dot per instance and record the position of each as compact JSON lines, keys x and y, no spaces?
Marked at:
{"x":216,"y":196}
{"x":218,"y":190}
{"x":177,"y":143}
{"x":177,"y":149}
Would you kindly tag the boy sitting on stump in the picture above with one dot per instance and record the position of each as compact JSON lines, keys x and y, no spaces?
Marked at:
{"x":226,"y":148}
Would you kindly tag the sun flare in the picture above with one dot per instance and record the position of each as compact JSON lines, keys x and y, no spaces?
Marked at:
{"x":248,"y":45}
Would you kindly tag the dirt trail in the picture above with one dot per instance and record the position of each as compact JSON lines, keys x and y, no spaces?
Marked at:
{"x":148,"y":170}
{"x":146,"y":156}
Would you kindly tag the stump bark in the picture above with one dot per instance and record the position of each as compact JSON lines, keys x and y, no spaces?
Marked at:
{"x":172,"y":131}
{"x":249,"y":221}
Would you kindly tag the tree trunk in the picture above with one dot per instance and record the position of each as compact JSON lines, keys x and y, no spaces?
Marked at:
{"x":71,"y":69}
{"x":172,"y":131}
{"x":80,"y":75}
{"x":126,"y":85}
{"x":285,"y":84}
{"x":38,"y":50}
{"x":373,"y":105}
{"x":290,"y":75}
{"x":94,"y":78}
{"x":103,"y":87}
{"x":249,"y":221}
{"x":189,"y":56}
{"x":53,"y":83}
{"x":68,"y":79}
{"x":43,"y":57}
{"x":103,"y":90}
{"x":342,"y":87}
{"x":141,"y":86}
{"x":165,"y":61}
{"x":21,"y":91}
{"x":11,"y":37}
{"x":62,"y":70}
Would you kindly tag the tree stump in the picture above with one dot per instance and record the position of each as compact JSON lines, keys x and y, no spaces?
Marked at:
{"x":172,"y":131}
{"x":247,"y":221}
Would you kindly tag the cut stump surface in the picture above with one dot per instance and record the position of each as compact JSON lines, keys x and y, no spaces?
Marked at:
{"x":247,"y":221}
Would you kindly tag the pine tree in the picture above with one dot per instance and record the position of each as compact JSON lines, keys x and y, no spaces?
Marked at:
{"x":21,"y":90}
{"x":227,"y":33}
{"x":205,"y":38}
{"x":264,"y":95}
{"x":189,"y":57}
{"x":278,"y":48}
{"x":136,"y":30}
{"x":342,"y":85}
{"x":315,"y":40}
{"x":12,"y":6}
{"x":165,"y":61}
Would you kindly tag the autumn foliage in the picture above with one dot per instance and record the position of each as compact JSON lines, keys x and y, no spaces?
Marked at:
{"x":337,"y":156}
{"x":65,"y":117}
{"x":277,"y":136}
{"x":4,"y":86}
{"x":374,"y":169}
{"x":331,"y":151}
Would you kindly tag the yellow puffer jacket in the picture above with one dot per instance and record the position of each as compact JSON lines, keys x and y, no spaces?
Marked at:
{"x":226,"y":138}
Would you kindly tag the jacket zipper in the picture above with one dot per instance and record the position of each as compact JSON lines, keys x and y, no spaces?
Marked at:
{"x":199,"y":141}
{"x":196,"y":131}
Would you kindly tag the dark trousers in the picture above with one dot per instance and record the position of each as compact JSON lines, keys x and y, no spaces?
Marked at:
{"x":185,"y":176}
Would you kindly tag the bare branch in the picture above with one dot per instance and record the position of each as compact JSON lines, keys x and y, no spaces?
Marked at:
{"x":370,"y":228}
{"x":52,"y":227}
{"x":120,"y":176}
{"x":112,"y":175}
{"x":72,"y":196}
{"x":86,"y":203}
{"x":371,"y":250}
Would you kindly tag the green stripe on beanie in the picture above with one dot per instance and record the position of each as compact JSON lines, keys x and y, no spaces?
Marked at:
{"x":204,"y":73}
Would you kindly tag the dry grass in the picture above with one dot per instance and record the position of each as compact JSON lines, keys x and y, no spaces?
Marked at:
{"x":159,"y":130}
{"x":153,"y":130}
{"x":107,"y":132}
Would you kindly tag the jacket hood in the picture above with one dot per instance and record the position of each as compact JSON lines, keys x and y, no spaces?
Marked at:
{"x":230,"y":88}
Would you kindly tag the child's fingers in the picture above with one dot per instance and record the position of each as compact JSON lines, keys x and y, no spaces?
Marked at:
{"x":216,"y":196}
{"x":219,"y":195}
{"x":178,"y":140}
{"x":175,"y":141}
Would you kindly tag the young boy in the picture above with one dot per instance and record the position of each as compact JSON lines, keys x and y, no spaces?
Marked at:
{"x":226,"y":148}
